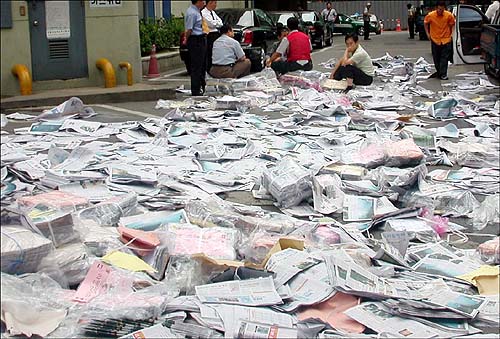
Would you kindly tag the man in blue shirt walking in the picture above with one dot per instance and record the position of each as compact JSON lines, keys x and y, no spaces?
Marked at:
{"x":197,"y":46}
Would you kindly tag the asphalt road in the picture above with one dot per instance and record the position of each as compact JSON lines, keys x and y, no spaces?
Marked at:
{"x":394,"y":43}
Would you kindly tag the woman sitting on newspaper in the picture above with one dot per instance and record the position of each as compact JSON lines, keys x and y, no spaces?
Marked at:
{"x":355,"y":66}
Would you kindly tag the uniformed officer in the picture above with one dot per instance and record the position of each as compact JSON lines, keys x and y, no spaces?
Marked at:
{"x":228,"y":58}
{"x":197,"y":46}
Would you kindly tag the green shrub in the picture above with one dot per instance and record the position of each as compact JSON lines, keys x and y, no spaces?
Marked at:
{"x":161,"y":32}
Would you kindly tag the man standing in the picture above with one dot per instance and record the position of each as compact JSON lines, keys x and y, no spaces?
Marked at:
{"x":214,"y":22}
{"x":492,"y":10}
{"x":297,"y":48}
{"x":356,"y":65}
{"x":329,"y":14}
{"x":438,"y":26}
{"x":411,"y":20}
{"x":366,"y":21}
{"x":228,"y":59}
{"x":197,"y":46}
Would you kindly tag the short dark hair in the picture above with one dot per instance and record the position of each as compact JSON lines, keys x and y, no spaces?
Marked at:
{"x":352,"y":36}
{"x":409,"y":6}
{"x":194,"y":2}
{"x":292,"y":23}
{"x":225,"y":28}
{"x":441,"y":4}
{"x":281,"y":30}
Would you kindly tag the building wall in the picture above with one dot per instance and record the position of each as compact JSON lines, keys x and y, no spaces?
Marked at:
{"x":179,"y":6}
{"x":387,"y":11}
{"x":15,"y":49}
{"x":111,"y":33}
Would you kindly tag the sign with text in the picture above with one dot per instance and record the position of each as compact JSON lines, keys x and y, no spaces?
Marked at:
{"x":57,"y":19}
{"x":105,"y":3}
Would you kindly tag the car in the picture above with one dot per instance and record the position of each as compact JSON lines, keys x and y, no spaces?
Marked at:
{"x":319,"y":33}
{"x":280,"y":18}
{"x":359,"y":24}
{"x":419,"y":23}
{"x":466,"y":35}
{"x":343,"y":24}
{"x":253,"y":29}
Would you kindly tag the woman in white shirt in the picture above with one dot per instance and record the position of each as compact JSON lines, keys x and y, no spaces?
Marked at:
{"x":214,"y":22}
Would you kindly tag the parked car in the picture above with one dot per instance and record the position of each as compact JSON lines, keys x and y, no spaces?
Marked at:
{"x":343,"y":24}
{"x":253,"y":29}
{"x":280,"y":18}
{"x":319,"y":32}
{"x":467,"y":34}
{"x":359,"y":24}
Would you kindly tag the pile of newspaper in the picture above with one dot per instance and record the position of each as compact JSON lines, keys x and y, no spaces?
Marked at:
{"x":273,"y":211}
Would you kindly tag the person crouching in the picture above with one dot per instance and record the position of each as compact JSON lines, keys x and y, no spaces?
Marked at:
{"x":356,"y":65}
{"x":297,"y":48}
{"x":228,"y":58}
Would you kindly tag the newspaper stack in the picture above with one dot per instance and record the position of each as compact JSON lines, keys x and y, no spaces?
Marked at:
{"x":288,"y":182}
{"x":22,"y":250}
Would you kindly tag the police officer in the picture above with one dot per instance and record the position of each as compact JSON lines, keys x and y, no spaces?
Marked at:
{"x":197,"y":46}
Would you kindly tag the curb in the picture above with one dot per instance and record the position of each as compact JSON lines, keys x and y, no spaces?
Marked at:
{"x":89,"y":99}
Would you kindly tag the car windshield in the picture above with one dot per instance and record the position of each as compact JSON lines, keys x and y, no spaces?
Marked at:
{"x":246,"y":19}
{"x":284,"y":17}
{"x":308,"y":17}
{"x":237,"y":18}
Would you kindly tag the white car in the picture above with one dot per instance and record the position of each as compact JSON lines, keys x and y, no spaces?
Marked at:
{"x":467,"y":34}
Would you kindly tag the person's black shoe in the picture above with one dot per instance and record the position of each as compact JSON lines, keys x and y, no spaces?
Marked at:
{"x":444,"y":77}
{"x":433,"y":75}
{"x":348,"y":88}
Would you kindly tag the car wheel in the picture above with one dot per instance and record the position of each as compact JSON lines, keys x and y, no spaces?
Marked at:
{"x":361,"y":31}
{"x":321,"y":41}
{"x":378,"y":32}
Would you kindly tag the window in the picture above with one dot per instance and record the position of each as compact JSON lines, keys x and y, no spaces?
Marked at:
{"x":264,"y":19}
{"x":284,"y":17}
{"x":246,"y":20}
{"x":308,"y":17}
{"x":469,"y":15}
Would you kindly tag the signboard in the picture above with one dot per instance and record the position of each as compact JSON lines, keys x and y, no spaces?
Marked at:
{"x":105,"y":3}
{"x":57,"y":19}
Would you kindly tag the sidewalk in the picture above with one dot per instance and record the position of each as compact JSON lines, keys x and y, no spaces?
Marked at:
{"x":143,"y":91}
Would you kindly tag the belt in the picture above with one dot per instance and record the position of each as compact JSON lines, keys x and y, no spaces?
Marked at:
{"x":228,"y":65}
{"x":200,"y":36}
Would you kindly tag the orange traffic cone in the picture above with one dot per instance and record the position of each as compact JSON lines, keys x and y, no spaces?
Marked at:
{"x":153,"y":71}
{"x":398,"y":25}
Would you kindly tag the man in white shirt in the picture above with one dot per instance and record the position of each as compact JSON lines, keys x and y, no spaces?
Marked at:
{"x":492,"y":10}
{"x":329,"y":14}
{"x":356,"y":65}
{"x":214,"y":22}
{"x":228,"y":58}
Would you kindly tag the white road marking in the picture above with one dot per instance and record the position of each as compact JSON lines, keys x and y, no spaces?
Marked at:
{"x":124,"y":110}
{"x":175,"y":73}
{"x":323,"y":49}
{"x":175,"y":79}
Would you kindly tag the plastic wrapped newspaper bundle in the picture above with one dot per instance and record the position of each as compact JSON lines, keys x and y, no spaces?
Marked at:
{"x":271,"y":212}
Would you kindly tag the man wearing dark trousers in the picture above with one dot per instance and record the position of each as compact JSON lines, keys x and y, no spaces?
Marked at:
{"x":411,"y":20}
{"x":197,"y":46}
{"x":214,"y":22}
{"x":366,"y":21}
{"x":297,"y":48}
{"x":438,"y":26}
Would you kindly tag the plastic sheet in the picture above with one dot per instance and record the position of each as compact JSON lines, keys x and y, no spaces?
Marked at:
{"x":489,"y":251}
{"x":288,"y":182}
{"x":69,"y":263}
{"x":303,"y":79}
{"x":402,"y":153}
{"x":185,"y":273}
{"x":487,"y":213}
{"x":215,"y":242}
{"x":22,"y":250}
{"x":109,"y":212}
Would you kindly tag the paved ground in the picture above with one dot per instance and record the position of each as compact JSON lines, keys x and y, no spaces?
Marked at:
{"x":394,"y":43}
